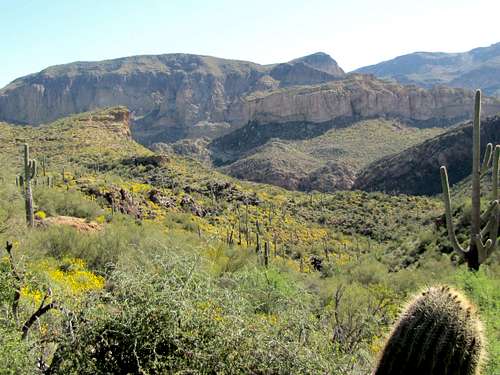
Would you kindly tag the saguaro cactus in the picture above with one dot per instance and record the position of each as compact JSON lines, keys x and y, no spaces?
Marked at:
{"x":44,"y":166}
{"x":438,"y":333}
{"x":29,"y":173}
{"x":482,"y":241}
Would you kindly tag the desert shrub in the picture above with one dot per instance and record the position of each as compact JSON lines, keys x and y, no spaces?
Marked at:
{"x":66,"y":203}
{"x":483,"y":287}
{"x":60,"y":242}
{"x":12,"y":216}
{"x":98,"y":249}
{"x":7,"y":283}
{"x":180,"y":319}
{"x":271,"y":291}
{"x":15,"y":356}
{"x":367,"y":271}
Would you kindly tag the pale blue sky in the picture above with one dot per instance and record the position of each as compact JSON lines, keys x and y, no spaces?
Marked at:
{"x":39,"y":33}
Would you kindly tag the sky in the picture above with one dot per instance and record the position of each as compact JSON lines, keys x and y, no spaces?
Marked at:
{"x":36,"y":34}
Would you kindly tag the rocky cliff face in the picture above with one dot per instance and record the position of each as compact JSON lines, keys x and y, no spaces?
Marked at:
{"x":179,"y":96}
{"x":357,"y":96}
{"x":416,"y":170}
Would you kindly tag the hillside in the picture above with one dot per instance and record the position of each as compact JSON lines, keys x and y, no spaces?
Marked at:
{"x":96,"y":150}
{"x":155,"y":263}
{"x":478,"y":68}
{"x":178,"y":96}
{"x":416,"y":170}
{"x":326,"y":162}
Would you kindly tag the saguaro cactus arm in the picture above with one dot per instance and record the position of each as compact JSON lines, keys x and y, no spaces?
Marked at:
{"x":448,"y":212}
{"x":483,"y":248}
{"x":487,"y":214}
{"x":32,"y":168}
{"x":496,"y":161}
{"x":491,"y":229}
{"x":485,"y":166}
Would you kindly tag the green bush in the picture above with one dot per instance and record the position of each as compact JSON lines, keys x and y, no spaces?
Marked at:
{"x":483,"y":287}
{"x":179,"y":319}
{"x":66,"y":203}
{"x":15,"y":357}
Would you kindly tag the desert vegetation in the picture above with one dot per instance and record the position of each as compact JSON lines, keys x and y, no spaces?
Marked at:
{"x":151,"y":263}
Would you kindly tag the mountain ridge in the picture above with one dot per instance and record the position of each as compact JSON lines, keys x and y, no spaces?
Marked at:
{"x":476,"y":68}
{"x":177,"y":96}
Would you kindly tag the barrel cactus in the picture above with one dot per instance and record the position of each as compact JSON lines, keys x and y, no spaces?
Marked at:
{"x":438,"y":332}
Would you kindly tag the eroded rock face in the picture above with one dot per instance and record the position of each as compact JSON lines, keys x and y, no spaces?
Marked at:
{"x":114,"y":120}
{"x":359,"y":96}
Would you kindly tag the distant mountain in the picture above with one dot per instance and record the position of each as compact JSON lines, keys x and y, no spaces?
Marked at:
{"x":279,"y":123}
{"x":416,"y":170}
{"x":181,"y":96}
{"x":171,"y":96}
{"x":478,"y":68}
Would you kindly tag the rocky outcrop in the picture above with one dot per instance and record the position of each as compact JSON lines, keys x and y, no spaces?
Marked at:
{"x":119,"y":200}
{"x":189,"y":204}
{"x":153,"y":160}
{"x":114,"y":120}
{"x":196,"y":148}
{"x":157,"y":197}
{"x":416,"y":170}
{"x":270,"y":171}
{"x":179,"y":96}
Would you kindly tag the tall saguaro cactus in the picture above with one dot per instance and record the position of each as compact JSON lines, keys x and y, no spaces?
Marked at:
{"x":29,"y":173}
{"x":483,"y":241}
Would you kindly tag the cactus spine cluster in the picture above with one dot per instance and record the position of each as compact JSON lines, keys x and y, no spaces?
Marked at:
{"x":483,"y":241}
{"x":437,"y":333}
{"x":30,"y":166}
